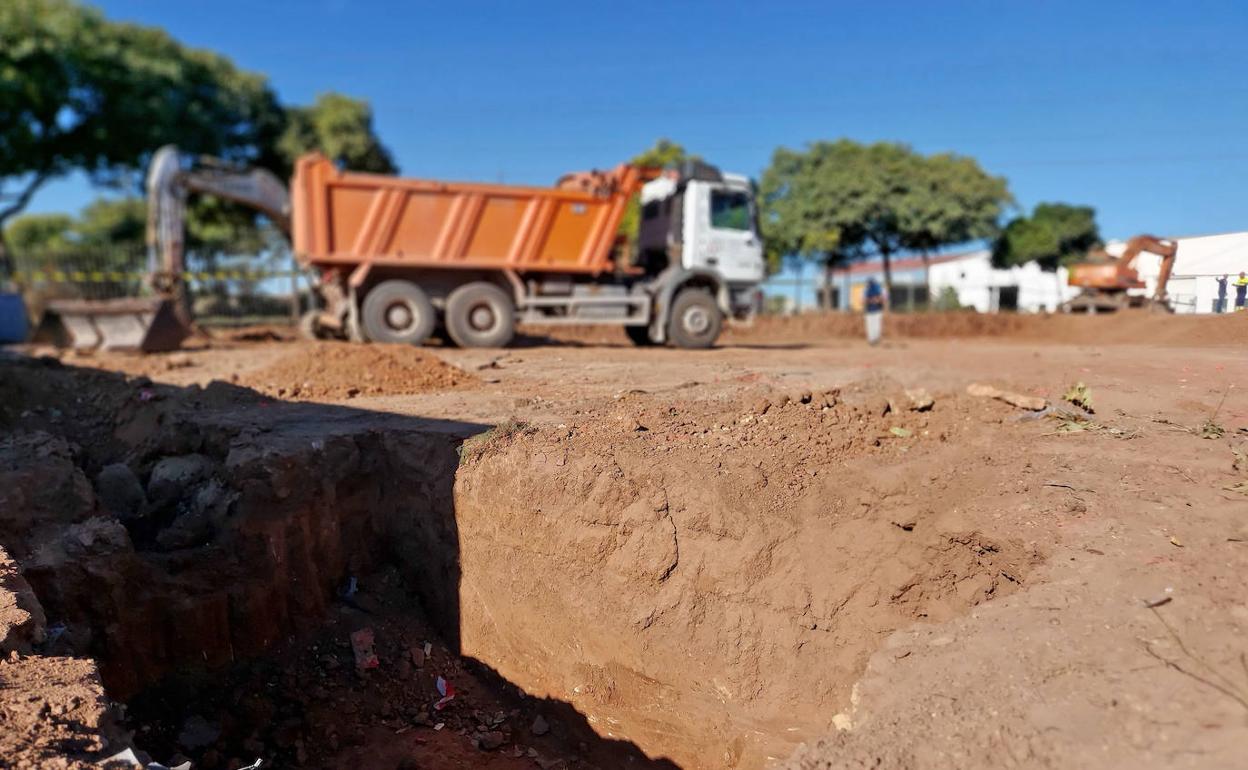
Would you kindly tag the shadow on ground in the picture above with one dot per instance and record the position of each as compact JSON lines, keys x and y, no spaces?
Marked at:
{"x":235,"y":557}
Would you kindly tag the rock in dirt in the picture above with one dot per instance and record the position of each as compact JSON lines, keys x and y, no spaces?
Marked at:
{"x":920,"y":400}
{"x":120,"y":491}
{"x":1034,"y":403}
{"x":172,"y":477}
{"x":191,"y":529}
{"x":22,"y":622}
{"x":491,"y":740}
{"x":197,"y":732}
{"x":96,"y":535}
{"x":540,"y":726}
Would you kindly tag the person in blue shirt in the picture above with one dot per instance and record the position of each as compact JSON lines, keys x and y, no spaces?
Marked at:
{"x":874,"y":305}
{"x":1220,"y":305}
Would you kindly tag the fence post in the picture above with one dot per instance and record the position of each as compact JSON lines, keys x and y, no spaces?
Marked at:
{"x":294,"y":289}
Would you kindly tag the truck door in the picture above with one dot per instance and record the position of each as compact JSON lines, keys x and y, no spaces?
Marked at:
{"x":725,"y":239}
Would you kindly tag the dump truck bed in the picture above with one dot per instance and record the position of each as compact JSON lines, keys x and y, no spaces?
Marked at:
{"x":347,"y":219}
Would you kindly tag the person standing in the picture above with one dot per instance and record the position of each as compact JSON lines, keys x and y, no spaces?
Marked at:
{"x":1220,"y":305}
{"x":874,"y":305}
{"x":1241,"y":291}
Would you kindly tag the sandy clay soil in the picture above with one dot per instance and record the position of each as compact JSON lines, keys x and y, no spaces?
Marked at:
{"x":791,"y":551}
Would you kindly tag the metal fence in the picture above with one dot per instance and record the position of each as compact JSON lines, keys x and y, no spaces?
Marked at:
{"x":224,"y":290}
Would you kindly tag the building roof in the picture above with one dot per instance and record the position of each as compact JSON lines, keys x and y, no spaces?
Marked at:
{"x":901,"y":265}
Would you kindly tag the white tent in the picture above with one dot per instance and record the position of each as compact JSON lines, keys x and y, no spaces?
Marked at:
{"x":1199,"y":262}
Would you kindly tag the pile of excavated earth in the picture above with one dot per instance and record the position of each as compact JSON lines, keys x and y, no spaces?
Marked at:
{"x":899,"y":558}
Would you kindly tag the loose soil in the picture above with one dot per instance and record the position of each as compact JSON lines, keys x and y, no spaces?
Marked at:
{"x":772,"y":554}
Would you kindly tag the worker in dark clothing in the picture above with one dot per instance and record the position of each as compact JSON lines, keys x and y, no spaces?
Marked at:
{"x":874,"y":305}
{"x":1220,"y":305}
{"x":1241,"y":291}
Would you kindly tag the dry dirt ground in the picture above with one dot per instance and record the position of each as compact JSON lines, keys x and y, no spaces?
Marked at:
{"x":770,"y":554}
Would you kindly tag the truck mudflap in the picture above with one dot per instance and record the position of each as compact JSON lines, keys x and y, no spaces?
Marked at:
{"x":146,"y":324}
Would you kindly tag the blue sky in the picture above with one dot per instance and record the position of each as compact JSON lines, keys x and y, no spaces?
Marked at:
{"x":1137,"y":108}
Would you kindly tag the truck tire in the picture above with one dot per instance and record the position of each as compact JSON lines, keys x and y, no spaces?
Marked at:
{"x":480,"y":315}
{"x":640,"y":335}
{"x":398,"y":312}
{"x":310,"y":325}
{"x":695,"y":321}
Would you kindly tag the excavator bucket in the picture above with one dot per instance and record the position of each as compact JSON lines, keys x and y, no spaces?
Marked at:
{"x":147,"y":324}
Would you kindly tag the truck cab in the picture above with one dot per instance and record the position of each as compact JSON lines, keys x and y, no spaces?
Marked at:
{"x":700,"y":220}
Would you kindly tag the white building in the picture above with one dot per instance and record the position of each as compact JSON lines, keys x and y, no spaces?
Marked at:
{"x":972,"y":277}
{"x":1199,"y":262}
{"x":1026,"y":288}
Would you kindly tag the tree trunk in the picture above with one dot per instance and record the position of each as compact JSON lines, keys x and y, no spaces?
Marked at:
{"x":888,"y":277}
{"x":6,"y":260}
{"x":797,"y":288}
{"x":825,"y":298}
{"x":22,"y":200}
{"x":927,"y":278}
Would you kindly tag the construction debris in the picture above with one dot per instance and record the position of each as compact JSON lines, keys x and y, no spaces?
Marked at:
{"x":920,"y":400}
{"x":1034,"y":403}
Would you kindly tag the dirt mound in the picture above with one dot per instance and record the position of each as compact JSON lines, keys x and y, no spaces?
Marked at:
{"x":1137,"y":327}
{"x":710,"y":577}
{"x":329,"y":370}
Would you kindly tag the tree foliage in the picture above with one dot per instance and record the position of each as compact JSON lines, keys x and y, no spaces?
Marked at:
{"x":1055,"y":234}
{"x":114,"y":223}
{"x":662,"y":154}
{"x":341,"y":128}
{"x":78,"y":92}
{"x":31,"y":233}
{"x":842,"y":200}
{"x":81,"y":93}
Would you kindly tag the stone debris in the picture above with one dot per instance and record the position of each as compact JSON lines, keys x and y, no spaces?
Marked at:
{"x":1034,"y":403}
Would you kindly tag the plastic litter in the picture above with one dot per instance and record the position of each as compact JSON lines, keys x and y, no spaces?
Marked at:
{"x":128,"y":760}
{"x":447,"y":691}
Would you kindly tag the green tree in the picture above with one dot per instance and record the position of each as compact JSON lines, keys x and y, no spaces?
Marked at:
{"x":664,"y":153}
{"x":341,"y":128}
{"x":32,"y":233}
{"x":79,"y":92}
{"x":120,"y":222}
{"x":842,"y":200}
{"x":951,"y":200}
{"x":1055,"y":234}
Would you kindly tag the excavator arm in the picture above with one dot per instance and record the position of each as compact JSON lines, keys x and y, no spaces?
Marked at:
{"x":1115,"y":277}
{"x":162,"y":321}
{"x":168,"y":185}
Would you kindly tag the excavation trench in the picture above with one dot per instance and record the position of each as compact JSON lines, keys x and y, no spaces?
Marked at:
{"x":648,"y":583}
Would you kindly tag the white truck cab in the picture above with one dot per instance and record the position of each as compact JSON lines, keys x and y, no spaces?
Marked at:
{"x":698,"y":220}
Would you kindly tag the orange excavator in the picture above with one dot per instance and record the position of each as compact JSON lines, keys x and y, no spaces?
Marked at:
{"x":1106,"y":282}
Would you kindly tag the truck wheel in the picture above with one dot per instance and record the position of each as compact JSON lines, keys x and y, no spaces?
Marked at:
{"x":480,"y":315}
{"x":640,"y":335}
{"x":695,"y":320}
{"x":310,"y":325}
{"x":399,"y":312}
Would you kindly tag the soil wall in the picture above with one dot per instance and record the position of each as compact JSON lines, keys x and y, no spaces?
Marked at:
{"x":710,"y":581}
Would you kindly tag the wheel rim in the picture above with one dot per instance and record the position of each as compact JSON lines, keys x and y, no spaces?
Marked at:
{"x":400,"y":316}
{"x":481,"y":318}
{"x":696,"y":320}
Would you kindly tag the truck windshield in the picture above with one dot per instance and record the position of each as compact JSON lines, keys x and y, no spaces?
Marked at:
{"x":730,"y":210}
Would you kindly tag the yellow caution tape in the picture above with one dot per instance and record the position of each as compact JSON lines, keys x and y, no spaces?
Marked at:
{"x":115,"y":276}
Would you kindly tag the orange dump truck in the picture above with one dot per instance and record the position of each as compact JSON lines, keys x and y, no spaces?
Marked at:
{"x":401,"y":260}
